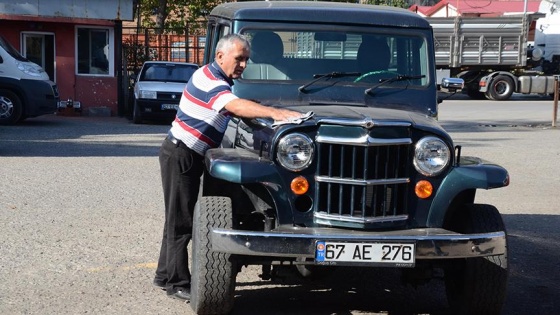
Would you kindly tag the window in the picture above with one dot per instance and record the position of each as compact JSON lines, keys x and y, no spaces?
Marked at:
{"x":93,"y":51}
{"x":371,"y":54}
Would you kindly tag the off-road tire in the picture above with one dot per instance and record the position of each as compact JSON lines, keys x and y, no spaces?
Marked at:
{"x":477,"y":285}
{"x":11,"y":108}
{"x":213,"y":273}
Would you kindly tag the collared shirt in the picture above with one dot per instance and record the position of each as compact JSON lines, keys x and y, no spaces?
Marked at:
{"x":201,"y":119}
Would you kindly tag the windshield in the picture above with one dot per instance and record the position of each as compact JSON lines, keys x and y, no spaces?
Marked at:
{"x":355,"y":58}
{"x":167,"y":72}
{"x":11,"y":50}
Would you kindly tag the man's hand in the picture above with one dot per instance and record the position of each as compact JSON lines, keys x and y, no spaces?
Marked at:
{"x":280,"y":114}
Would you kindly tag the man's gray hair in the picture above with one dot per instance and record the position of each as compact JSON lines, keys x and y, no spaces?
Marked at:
{"x":226,"y":42}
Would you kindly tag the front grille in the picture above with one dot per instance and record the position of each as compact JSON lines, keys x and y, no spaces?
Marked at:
{"x":362,"y":182}
{"x":169,"y":96}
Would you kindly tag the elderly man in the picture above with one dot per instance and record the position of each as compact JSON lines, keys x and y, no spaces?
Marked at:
{"x":204,"y":111}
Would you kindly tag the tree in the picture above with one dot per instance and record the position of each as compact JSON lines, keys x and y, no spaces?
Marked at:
{"x":174,"y":14}
{"x":392,"y":3}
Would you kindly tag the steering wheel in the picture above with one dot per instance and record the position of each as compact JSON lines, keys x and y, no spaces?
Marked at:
{"x":378,"y":72}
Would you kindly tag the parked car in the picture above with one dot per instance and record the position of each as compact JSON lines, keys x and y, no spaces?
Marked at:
{"x":25,"y":88}
{"x":158,"y":89}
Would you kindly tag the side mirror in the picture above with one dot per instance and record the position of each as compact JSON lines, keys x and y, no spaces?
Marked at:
{"x":452,"y":84}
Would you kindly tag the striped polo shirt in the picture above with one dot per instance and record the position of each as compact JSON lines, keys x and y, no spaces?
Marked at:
{"x":201,"y":119}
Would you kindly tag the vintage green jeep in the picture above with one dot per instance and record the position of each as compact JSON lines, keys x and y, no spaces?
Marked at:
{"x":370,"y":179}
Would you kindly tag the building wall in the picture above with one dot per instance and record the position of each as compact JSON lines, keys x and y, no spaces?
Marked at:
{"x":91,"y":91}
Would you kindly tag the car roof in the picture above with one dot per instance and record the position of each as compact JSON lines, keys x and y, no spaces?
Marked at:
{"x":320,"y":12}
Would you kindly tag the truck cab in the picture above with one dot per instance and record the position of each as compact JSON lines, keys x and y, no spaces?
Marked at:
{"x":368,"y":178}
{"x":25,"y":88}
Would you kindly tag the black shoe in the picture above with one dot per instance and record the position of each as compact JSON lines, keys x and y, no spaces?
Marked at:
{"x":181,"y":294}
{"x":160,"y":284}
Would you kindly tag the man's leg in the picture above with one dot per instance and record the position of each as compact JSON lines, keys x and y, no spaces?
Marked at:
{"x":181,"y":169}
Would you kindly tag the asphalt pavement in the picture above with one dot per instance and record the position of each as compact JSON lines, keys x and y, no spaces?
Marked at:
{"x":81,"y":217}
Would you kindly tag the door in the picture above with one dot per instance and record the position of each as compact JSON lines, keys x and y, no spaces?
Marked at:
{"x":39,"y":48}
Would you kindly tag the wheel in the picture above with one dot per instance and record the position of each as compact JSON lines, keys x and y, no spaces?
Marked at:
{"x":477,"y":285}
{"x":501,"y":88}
{"x":213,"y":273}
{"x":472,"y":79}
{"x":136,"y":115}
{"x":11,"y":108}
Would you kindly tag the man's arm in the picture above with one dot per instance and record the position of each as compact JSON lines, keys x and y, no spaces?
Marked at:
{"x":249,"y":109}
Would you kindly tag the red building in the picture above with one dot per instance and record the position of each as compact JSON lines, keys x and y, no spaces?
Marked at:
{"x":77,"y":42}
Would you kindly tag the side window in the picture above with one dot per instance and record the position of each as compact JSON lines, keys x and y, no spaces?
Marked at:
{"x":93,"y":51}
{"x":215,"y":32}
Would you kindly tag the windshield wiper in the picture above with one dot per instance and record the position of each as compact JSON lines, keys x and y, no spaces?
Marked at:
{"x":329,"y":76}
{"x":394,"y":79}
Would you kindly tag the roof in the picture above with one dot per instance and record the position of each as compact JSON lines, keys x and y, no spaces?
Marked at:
{"x":319,"y":12}
{"x":479,"y":7}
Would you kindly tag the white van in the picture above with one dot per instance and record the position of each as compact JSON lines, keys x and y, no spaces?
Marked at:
{"x":25,"y":88}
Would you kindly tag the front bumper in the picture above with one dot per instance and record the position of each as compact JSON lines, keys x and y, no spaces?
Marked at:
{"x":294,"y":242}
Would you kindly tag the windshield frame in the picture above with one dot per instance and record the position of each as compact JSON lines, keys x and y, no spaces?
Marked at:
{"x":11,"y":50}
{"x":422,"y":35}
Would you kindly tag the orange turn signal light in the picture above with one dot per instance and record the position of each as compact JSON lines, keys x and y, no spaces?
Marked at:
{"x":423,"y":189}
{"x":299,"y":185}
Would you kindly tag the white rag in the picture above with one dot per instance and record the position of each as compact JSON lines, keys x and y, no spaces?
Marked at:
{"x":294,"y":121}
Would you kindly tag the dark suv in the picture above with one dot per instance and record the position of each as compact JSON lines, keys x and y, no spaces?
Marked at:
{"x":371,"y":179}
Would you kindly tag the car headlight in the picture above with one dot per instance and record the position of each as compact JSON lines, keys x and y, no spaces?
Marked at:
{"x":295,"y":152}
{"x":34,"y":71}
{"x":431,"y":156}
{"x":147,"y":94}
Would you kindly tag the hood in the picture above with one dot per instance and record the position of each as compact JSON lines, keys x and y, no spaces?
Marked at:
{"x":356,"y":114}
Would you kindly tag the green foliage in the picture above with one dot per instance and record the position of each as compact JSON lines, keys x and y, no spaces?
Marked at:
{"x":173,"y":15}
{"x":392,"y":3}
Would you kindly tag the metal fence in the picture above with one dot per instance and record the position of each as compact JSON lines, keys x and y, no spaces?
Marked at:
{"x":141,"y":44}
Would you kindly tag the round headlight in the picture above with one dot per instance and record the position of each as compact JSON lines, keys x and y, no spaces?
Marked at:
{"x":295,"y":152}
{"x":431,"y":156}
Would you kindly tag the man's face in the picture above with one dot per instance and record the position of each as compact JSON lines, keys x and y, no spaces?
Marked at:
{"x":233,"y":60}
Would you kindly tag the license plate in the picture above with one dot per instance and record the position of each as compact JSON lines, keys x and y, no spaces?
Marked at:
{"x":169,"y":106}
{"x":381,"y":254}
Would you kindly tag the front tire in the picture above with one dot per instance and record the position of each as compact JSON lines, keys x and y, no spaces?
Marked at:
{"x":213,"y":273}
{"x":11,"y":108}
{"x":136,"y":115}
{"x":477,"y":285}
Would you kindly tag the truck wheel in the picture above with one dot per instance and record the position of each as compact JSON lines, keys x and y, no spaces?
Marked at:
{"x":501,"y":88}
{"x":10,"y":108}
{"x":477,"y":285}
{"x":136,"y":115}
{"x":213,"y":273}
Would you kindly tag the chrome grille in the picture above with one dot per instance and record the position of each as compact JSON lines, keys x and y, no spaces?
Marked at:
{"x":362,"y":181}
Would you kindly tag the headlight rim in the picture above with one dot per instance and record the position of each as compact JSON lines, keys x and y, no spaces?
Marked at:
{"x":439,"y":170}
{"x":311,"y":154}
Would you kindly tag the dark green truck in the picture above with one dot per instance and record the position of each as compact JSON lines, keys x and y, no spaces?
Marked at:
{"x":369,"y":180}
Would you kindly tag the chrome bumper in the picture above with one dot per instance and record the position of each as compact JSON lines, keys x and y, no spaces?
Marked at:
{"x":431,"y":243}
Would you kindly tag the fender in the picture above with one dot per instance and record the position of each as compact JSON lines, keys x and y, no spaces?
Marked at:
{"x":471,"y":173}
{"x":246,"y":167}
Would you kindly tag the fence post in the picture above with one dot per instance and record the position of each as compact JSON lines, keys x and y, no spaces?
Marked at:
{"x":556,"y":91}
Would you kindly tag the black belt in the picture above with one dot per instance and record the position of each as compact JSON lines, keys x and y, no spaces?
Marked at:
{"x":180,"y":143}
{"x":173,"y":139}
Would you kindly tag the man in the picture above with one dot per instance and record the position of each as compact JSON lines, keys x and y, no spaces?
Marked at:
{"x":204,"y":111}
